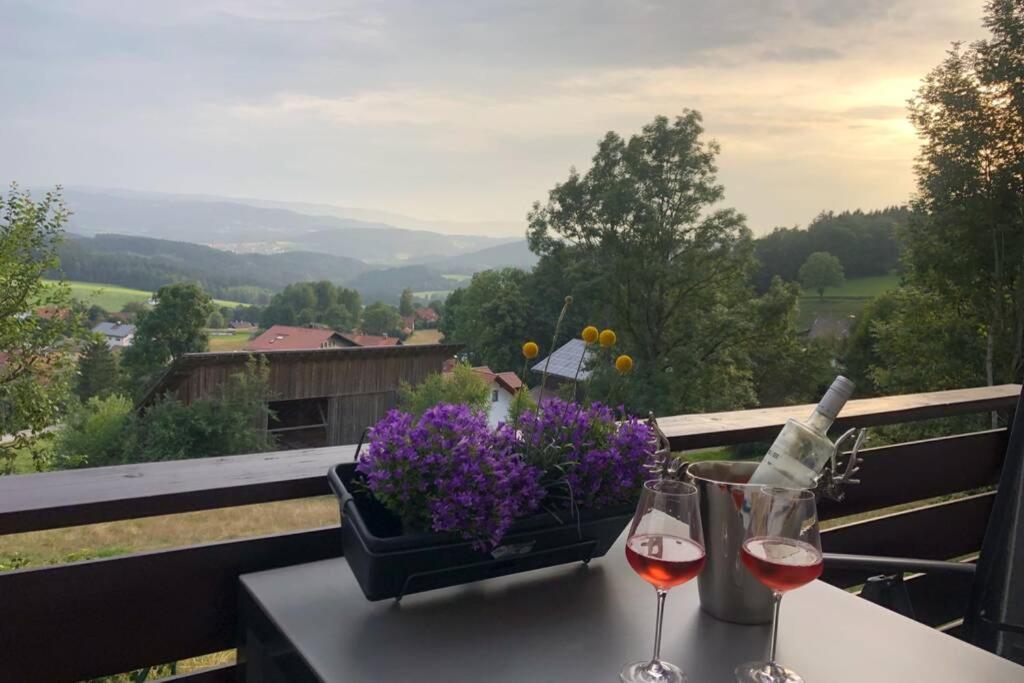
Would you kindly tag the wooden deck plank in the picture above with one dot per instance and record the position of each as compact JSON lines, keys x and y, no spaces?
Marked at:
{"x":741,"y":426}
{"x":32,"y":502}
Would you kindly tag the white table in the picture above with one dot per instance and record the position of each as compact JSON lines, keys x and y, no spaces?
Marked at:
{"x":573,"y":624}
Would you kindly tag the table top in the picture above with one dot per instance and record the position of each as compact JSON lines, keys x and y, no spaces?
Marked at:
{"x":578,"y":623}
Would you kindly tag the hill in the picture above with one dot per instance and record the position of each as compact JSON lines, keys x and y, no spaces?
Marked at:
{"x":147,"y":264}
{"x":387,"y":284}
{"x":241,"y":227}
{"x":513,"y":254}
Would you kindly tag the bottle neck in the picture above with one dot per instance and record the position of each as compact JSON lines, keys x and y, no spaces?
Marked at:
{"x":819,"y":422}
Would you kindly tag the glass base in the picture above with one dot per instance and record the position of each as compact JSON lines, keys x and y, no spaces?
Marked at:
{"x":652,"y":672}
{"x":766,"y":672}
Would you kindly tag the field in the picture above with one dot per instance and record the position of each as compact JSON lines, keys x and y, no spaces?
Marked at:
{"x":432,"y":294}
{"x":424,"y":337}
{"x":235,"y":341}
{"x":848,"y":300}
{"x":455,"y":277}
{"x":113,"y":298}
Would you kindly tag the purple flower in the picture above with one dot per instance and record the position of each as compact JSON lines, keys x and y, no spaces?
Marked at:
{"x":448,"y":471}
{"x":583,"y":448}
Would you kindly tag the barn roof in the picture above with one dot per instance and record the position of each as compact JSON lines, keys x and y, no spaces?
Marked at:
{"x":289,"y":337}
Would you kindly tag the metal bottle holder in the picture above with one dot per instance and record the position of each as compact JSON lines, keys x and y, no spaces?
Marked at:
{"x":728,"y":591}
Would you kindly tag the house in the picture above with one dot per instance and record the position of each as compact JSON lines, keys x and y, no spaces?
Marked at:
{"x":408,"y":324}
{"x":241,"y":325}
{"x":118,"y":335}
{"x":359,"y":339}
{"x":286,"y":337}
{"x":319,"y":397}
{"x":502,"y":387}
{"x":426,"y":317}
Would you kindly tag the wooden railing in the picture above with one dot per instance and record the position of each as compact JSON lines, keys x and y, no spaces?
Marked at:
{"x":98,"y":617}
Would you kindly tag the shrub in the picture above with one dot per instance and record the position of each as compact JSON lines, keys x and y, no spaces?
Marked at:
{"x":461,"y":386}
{"x":97,"y":432}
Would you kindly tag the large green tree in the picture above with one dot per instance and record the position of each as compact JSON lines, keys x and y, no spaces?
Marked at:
{"x":820,"y":271}
{"x":97,"y":370}
{"x":307,"y":303}
{"x":173,"y":327}
{"x":35,"y":358}
{"x":379,"y":318}
{"x":966,"y":243}
{"x":674,"y":264}
{"x":490,"y":316}
{"x":405,"y":306}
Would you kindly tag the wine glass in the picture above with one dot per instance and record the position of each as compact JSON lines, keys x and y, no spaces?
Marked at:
{"x":782,"y":549}
{"x":665,"y":547}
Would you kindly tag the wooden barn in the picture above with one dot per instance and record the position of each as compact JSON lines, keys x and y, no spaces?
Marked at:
{"x":319,"y":397}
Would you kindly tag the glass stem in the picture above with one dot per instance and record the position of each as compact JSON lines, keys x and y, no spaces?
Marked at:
{"x":776,"y":599}
{"x":657,"y":627}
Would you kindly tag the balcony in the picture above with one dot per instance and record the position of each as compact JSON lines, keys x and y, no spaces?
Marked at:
{"x":100,"y":617}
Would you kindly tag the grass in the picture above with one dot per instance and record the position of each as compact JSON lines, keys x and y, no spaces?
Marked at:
{"x":864,"y":287}
{"x":456,"y":277}
{"x":424,"y":337}
{"x":431,"y":294}
{"x":840,"y":302}
{"x":110,"y":539}
{"x":235,"y":341}
{"x":114,"y":298}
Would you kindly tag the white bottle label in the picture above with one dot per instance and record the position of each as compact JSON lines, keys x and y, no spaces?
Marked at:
{"x":779,"y":469}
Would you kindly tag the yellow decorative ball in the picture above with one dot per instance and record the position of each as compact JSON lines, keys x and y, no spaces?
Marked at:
{"x":607,"y":339}
{"x":530,"y":350}
{"x":590,"y":334}
{"x":623,"y":364}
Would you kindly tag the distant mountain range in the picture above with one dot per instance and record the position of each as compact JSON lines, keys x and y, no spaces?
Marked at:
{"x":240,"y":251}
{"x":235,"y":225}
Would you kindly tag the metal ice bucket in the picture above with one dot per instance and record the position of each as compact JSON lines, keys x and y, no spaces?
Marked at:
{"x":728,"y":591}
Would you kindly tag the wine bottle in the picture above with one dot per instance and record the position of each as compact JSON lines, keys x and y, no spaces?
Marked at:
{"x":802,"y":448}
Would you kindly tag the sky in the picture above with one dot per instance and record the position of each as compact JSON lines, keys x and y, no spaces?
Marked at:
{"x":466,"y":111}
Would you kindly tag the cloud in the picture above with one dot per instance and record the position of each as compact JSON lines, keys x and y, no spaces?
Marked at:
{"x":801,"y":54}
{"x":465,"y":110}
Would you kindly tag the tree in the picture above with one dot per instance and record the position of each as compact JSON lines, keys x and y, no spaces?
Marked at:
{"x":674,"y":267}
{"x":216,"y":321}
{"x":405,"y":307}
{"x":229,"y":422}
{"x":820,"y":271}
{"x":175,"y":326}
{"x":100,"y":431}
{"x":134,"y":308}
{"x":379,"y":318}
{"x":489,"y":316}
{"x":306,"y":303}
{"x":107,"y":431}
{"x":461,"y":386}
{"x":97,"y":370}
{"x":35,"y":358}
{"x":966,"y":246}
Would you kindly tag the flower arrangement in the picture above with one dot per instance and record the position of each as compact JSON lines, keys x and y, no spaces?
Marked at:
{"x":448,"y":471}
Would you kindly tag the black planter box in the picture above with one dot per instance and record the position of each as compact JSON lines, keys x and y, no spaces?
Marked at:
{"x":389,"y":564}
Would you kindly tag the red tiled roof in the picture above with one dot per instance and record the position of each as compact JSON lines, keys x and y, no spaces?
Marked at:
{"x":287,"y":337}
{"x":370,"y":339}
{"x":51,"y":312}
{"x":509,"y":381}
{"x":426,"y":314}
